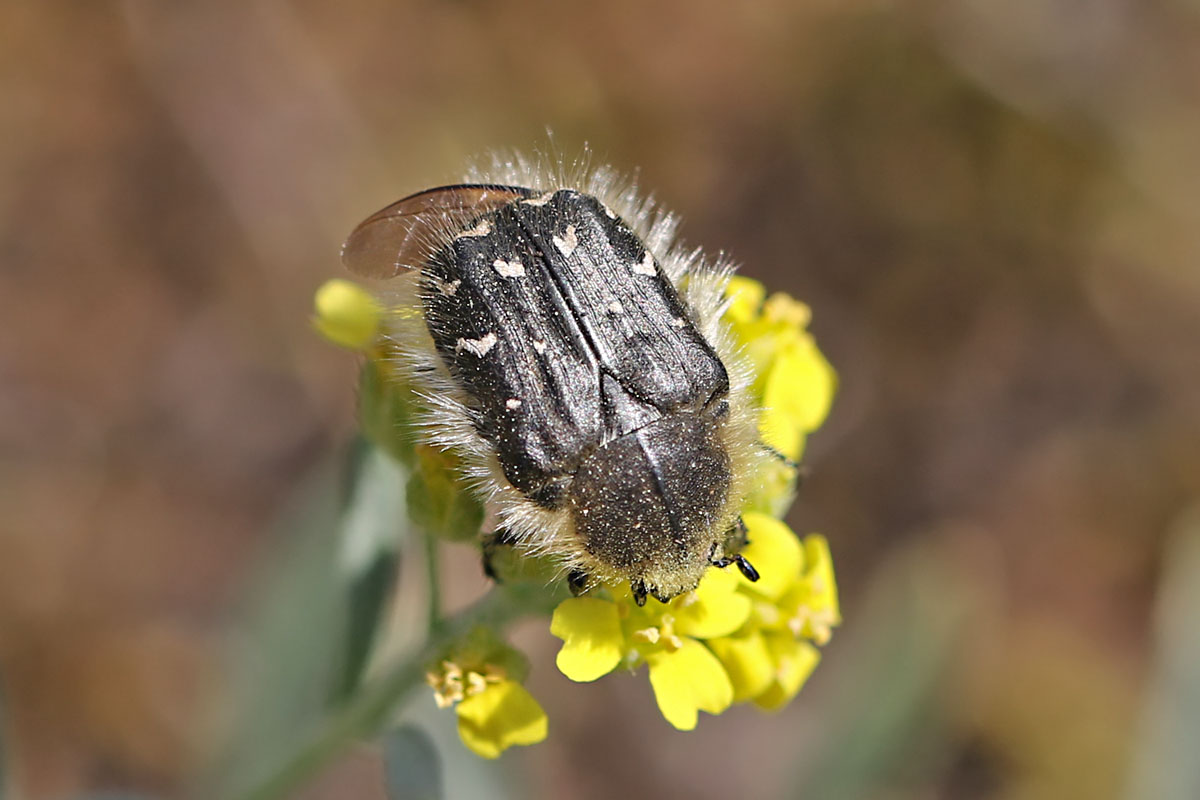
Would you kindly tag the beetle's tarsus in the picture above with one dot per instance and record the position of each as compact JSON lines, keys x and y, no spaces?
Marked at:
{"x":502,"y":537}
{"x":746,"y":567}
{"x":577,"y":582}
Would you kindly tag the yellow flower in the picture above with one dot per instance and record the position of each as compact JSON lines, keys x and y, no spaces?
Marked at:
{"x":600,"y":634}
{"x":502,"y":715}
{"x":795,"y":608}
{"x":730,"y":641}
{"x":346,"y":314}
{"x":480,"y":678}
{"x":793,"y":381}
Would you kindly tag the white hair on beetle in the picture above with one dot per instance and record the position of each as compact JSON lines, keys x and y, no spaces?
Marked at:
{"x":446,"y":420}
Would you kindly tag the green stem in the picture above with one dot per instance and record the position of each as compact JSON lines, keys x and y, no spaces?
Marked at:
{"x":369,"y":710}
{"x":433,"y":584}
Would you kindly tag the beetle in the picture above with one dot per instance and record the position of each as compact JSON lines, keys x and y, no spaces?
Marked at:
{"x":575,"y":358}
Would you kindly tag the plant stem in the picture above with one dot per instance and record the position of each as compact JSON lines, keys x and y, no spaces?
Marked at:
{"x":433,"y":588}
{"x":369,"y":710}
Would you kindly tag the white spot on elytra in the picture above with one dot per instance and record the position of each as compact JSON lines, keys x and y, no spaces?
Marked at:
{"x":611,"y":214}
{"x":482,"y":229}
{"x":646,"y":266}
{"x":447,"y":288}
{"x":569,"y":241}
{"x":509,"y":269}
{"x":479,"y":347}
{"x":678,"y":322}
{"x":512,"y":404}
{"x":540,"y":200}
{"x":616,"y":308}
{"x":539,"y":345}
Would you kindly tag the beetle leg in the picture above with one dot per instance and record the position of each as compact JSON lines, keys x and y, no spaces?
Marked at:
{"x":778,"y":456}
{"x":577,"y":581}
{"x":746,"y":567}
{"x":501,"y":537}
{"x":639,"y":591}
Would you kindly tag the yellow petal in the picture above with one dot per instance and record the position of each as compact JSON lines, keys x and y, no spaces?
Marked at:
{"x":781,"y":307}
{"x":759,"y":345}
{"x":775,"y":552}
{"x":346,"y":314}
{"x":503,"y":715}
{"x":689,"y":680}
{"x":810,"y":608}
{"x":746,"y":298}
{"x":781,"y":431}
{"x":794,"y":662}
{"x":748,"y":662}
{"x":592,"y":641}
{"x":818,"y":569}
{"x":714,"y":609}
{"x":774,"y":489}
{"x":800,"y":384}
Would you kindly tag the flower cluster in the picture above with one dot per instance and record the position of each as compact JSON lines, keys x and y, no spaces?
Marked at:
{"x":793,"y":382}
{"x":733,"y":641}
{"x":729,"y":641}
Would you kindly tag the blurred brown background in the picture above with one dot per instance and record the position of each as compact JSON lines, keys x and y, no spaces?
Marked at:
{"x":991,"y":207}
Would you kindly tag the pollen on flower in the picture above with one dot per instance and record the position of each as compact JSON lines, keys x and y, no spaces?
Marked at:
{"x":452,"y":683}
{"x":781,"y":307}
{"x":646,"y":635}
{"x":816,"y":624}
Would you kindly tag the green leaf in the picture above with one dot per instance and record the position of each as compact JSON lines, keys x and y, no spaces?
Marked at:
{"x":412,"y":767}
{"x":309,"y":632}
{"x":371,"y":527}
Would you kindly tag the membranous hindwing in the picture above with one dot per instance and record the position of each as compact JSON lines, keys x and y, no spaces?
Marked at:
{"x":593,"y":403}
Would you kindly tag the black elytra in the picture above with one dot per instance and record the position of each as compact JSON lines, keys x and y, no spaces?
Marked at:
{"x":585,"y":374}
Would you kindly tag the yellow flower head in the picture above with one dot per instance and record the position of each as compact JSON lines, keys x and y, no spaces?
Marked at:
{"x":481,"y":677}
{"x":599,"y":635}
{"x":793,"y":381}
{"x":346,"y":314}
{"x":727,"y":642}
{"x":795,"y":607}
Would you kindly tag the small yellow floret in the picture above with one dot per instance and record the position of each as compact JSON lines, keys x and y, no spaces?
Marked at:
{"x":501,"y":715}
{"x":346,"y":314}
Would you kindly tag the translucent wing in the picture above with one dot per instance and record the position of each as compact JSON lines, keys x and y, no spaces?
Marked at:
{"x":404,"y":234}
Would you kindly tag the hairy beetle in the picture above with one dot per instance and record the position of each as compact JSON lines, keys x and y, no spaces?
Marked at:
{"x":577,"y":361}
